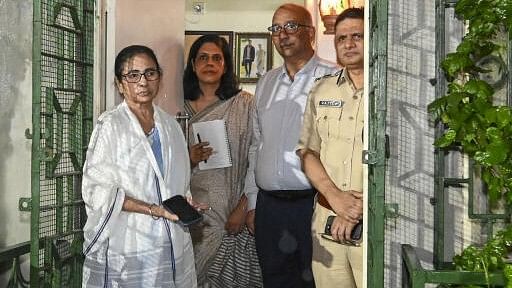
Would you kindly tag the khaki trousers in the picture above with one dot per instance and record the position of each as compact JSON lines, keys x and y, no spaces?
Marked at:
{"x":334,"y":264}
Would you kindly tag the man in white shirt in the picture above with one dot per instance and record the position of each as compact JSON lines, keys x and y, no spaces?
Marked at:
{"x":281,"y":220}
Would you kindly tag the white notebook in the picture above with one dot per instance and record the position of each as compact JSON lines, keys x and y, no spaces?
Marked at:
{"x":215,"y":133}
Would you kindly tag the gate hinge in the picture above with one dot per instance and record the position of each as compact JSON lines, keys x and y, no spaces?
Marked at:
{"x":391,"y":210}
{"x":25,"y":204}
{"x":369,"y":157}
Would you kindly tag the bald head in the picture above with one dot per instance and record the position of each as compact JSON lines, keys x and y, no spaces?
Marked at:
{"x":300,"y":12}
{"x":295,"y":36}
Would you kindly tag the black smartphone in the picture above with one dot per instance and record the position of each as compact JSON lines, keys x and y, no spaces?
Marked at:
{"x":356,"y":233}
{"x":179,"y":205}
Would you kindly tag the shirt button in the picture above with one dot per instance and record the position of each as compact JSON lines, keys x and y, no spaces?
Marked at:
{"x":344,"y":185}
{"x":355,"y":97}
{"x":345,"y":162}
{"x":350,"y":118}
{"x":325,"y":117}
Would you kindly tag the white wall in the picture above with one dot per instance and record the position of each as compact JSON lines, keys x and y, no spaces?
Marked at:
{"x":257,"y":21}
{"x":158,"y":24}
{"x":236,"y":21}
{"x":15,"y":115}
{"x":324,"y":43}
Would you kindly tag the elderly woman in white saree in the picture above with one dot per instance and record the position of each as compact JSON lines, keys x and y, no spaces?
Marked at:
{"x":225,"y":252}
{"x":137,"y":157}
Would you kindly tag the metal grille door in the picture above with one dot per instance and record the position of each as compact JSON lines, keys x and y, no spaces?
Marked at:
{"x":376,"y":156}
{"x":62,"y":123}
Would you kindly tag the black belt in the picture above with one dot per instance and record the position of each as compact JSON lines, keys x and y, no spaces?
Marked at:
{"x":323,"y":201}
{"x":290,"y":194}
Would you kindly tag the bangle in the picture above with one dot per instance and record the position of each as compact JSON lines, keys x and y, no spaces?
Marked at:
{"x":151,"y":212}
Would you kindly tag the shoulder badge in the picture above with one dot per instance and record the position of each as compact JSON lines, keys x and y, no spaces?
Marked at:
{"x":323,"y":77}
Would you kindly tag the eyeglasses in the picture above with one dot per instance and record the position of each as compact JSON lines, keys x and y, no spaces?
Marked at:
{"x":355,"y":37}
{"x":343,"y":242}
{"x":205,"y":58}
{"x":289,"y":28}
{"x":134,"y":76}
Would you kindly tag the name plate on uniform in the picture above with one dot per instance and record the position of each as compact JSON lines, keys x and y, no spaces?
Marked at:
{"x":331,"y":103}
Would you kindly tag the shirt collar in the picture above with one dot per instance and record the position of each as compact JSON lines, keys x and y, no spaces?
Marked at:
{"x":310,"y":65}
{"x":343,"y":77}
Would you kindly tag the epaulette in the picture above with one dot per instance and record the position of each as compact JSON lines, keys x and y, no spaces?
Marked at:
{"x":325,"y":76}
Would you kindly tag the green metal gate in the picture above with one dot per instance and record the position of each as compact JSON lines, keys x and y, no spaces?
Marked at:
{"x":62,"y":122}
{"x":376,"y":155}
{"x":450,"y":184}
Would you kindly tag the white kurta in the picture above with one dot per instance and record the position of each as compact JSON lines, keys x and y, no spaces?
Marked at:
{"x":126,"y":249}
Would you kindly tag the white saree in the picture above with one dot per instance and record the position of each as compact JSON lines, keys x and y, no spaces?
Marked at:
{"x":125,"y":249}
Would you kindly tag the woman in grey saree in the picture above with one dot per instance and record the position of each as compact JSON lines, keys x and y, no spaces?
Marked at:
{"x":224,"y":250}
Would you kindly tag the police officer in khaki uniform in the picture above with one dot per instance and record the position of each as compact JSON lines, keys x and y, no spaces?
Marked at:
{"x":330,"y":147}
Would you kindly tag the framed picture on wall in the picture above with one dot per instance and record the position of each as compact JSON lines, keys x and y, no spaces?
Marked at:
{"x":253,"y":56}
{"x":191,"y":36}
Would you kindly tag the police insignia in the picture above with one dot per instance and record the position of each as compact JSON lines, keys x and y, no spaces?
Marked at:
{"x":331,"y":103}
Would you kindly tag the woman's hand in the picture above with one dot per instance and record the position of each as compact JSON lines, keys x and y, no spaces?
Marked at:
{"x":158,"y":211}
{"x":199,"y":152}
{"x":131,"y":204}
{"x":201,"y":207}
{"x":236,"y":219}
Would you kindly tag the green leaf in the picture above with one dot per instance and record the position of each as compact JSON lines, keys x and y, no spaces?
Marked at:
{"x":503,"y":116}
{"x":456,"y":62}
{"x":484,"y":48}
{"x":454,"y":87}
{"x":491,"y":116}
{"x":466,"y":8}
{"x":454,"y":99}
{"x":507,"y":272}
{"x":447,"y":139}
{"x":494,"y":189}
{"x":482,"y":158}
{"x":437,"y":108}
{"x":466,"y":46}
{"x":495,"y":153}
{"x":469,"y":138}
{"x":479,"y":88}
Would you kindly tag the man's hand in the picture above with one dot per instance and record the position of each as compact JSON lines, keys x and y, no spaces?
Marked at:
{"x":348,"y":205}
{"x":249,"y":220}
{"x":341,"y":229}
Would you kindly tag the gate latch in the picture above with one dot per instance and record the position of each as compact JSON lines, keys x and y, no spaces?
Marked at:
{"x":391,"y":210}
{"x":369,"y":157}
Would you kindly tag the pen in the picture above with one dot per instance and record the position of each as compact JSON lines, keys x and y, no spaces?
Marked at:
{"x":199,"y":139}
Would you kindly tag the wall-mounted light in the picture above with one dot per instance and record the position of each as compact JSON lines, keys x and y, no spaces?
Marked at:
{"x":329,"y":10}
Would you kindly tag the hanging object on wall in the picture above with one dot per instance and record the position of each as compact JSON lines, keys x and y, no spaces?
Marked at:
{"x":199,"y":7}
{"x":330,"y":9}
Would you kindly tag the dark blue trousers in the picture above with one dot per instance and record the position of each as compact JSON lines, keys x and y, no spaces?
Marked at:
{"x":283,"y":238}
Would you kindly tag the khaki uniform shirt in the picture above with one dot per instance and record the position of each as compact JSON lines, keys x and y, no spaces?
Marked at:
{"x":333,"y":127}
